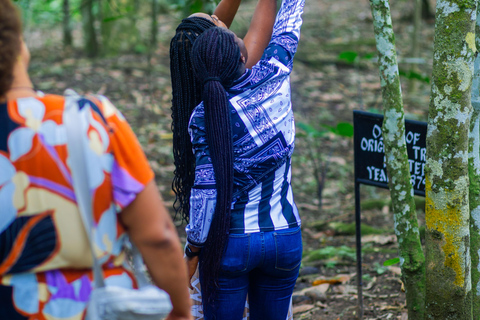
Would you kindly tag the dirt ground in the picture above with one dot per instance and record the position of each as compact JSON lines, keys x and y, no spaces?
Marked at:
{"x":326,"y":90}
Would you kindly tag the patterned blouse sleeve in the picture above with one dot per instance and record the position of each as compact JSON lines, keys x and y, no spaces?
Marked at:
{"x":286,"y":33}
{"x":203,"y":197}
{"x":130,"y":171}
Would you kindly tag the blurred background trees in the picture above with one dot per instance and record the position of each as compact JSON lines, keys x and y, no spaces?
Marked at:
{"x":108,"y":26}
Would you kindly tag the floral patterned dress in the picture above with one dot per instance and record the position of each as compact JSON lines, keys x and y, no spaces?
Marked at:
{"x":45,"y":258}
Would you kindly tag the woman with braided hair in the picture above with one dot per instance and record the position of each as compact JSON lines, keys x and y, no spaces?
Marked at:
{"x":186,"y":89}
{"x":244,"y":228}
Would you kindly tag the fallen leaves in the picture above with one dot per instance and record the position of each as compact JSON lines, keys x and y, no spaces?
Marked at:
{"x":341,"y":278}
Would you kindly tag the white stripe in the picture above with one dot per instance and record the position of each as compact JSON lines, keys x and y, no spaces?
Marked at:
{"x":290,"y":195}
{"x":276,"y":213}
{"x":251,"y":209}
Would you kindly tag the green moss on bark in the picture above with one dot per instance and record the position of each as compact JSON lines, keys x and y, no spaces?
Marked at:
{"x":448,"y":285}
{"x":406,"y":225}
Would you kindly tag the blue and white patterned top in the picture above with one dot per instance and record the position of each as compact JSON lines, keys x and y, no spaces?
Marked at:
{"x":263,"y":142}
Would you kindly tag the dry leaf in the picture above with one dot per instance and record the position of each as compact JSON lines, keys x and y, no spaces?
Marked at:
{"x":371,"y":283}
{"x":380,"y":239}
{"x":338,"y":160}
{"x":341,"y":278}
{"x":303,"y":308}
{"x":339,"y":289}
{"x":395,"y":270}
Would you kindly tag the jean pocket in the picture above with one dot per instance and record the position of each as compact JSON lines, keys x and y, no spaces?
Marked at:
{"x":288,"y":245}
{"x":235,"y":258}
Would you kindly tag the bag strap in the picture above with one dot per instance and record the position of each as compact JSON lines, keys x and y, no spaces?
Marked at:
{"x":73,"y":119}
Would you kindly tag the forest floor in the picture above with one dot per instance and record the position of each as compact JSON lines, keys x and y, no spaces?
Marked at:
{"x":326,"y":90}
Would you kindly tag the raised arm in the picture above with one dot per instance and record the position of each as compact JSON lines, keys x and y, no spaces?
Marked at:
{"x":260,"y":30}
{"x":226,"y":11}
{"x":151,"y":229}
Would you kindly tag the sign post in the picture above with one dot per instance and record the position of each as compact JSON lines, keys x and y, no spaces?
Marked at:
{"x":370,"y":167}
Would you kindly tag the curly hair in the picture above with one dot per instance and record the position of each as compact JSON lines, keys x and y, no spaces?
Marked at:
{"x":10,"y":44}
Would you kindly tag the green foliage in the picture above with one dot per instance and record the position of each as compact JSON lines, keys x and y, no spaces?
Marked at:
{"x":309,"y":131}
{"x":391,"y":262}
{"x":316,"y":148}
{"x":331,"y":252}
{"x":411,"y":75}
{"x":379,"y":269}
{"x":369,"y":204}
{"x":353,"y":56}
{"x":188,"y":7}
{"x":140,"y":48}
{"x":47,"y":12}
{"x":367,"y":278}
{"x":349,"y":229}
{"x":342,"y":129}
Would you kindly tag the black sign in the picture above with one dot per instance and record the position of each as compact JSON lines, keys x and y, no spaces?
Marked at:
{"x":370,"y":167}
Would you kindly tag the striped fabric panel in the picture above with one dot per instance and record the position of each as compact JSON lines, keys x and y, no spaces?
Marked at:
{"x":269,"y":207}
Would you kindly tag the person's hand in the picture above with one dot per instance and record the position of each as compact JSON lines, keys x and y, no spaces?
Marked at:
{"x":192,"y":264}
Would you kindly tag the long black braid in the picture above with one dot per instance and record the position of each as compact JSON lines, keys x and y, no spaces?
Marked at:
{"x":186,"y":91}
{"x":216,"y":59}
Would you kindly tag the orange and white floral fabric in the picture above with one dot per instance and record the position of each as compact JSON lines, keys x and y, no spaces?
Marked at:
{"x":44,"y":250}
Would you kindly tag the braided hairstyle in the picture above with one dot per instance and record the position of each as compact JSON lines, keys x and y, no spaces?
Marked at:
{"x":10,"y":33}
{"x":186,"y":92}
{"x":216,"y":59}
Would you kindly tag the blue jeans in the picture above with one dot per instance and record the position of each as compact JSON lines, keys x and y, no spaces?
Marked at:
{"x":265,"y":265}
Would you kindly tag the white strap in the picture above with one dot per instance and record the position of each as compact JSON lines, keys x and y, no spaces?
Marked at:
{"x":72,"y":119}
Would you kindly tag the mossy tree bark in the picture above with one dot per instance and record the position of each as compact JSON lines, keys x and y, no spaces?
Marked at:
{"x":474,"y":175}
{"x":448,"y":278}
{"x":406,"y":225}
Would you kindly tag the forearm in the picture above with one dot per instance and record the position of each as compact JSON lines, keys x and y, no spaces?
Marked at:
{"x":151,"y":229}
{"x":226,"y":10}
{"x":165,"y":263}
{"x":260,"y":30}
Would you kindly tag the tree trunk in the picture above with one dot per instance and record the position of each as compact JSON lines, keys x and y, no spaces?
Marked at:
{"x":414,"y":53}
{"x":154,"y":26}
{"x":67,"y":27}
{"x":89,"y":35}
{"x":412,"y":260}
{"x":105,"y":26}
{"x":474,"y":175}
{"x":448,"y":285}
{"x":134,"y":33}
{"x":426,"y":12}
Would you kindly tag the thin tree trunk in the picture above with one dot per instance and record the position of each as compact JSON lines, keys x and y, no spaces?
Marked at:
{"x":448,"y":285}
{"x":406,"y":225}
{"x":426,"y":12}
{"x":154,"y":26}
{"x":474,"y":175}
{"x":90,"y":37}
{"x":105,"y":26}
{"x":134,"y":33}
{"x":417,"y":23}
{"x":27,"y":15}
{"x":67,"y":27}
